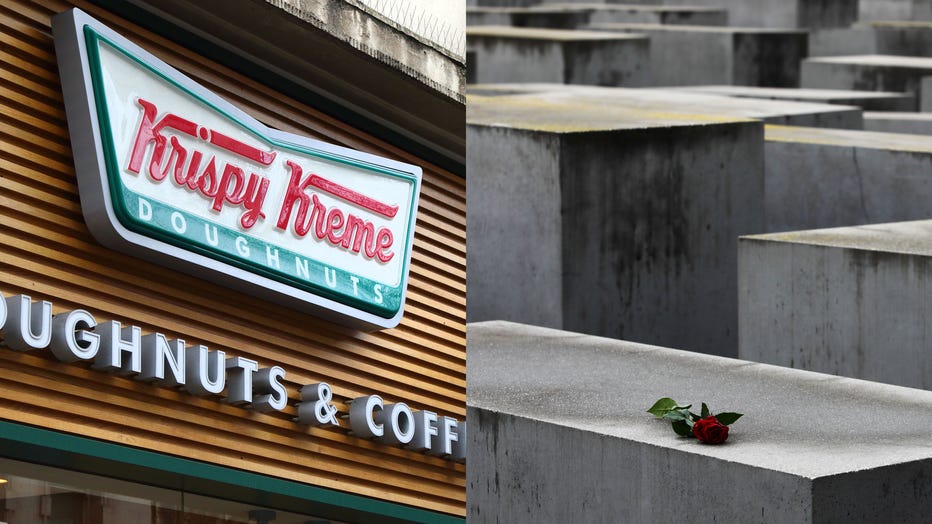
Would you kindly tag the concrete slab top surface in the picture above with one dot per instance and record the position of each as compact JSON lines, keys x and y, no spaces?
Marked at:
{"x":798,"y":422}
{"x":899,"y":115}
{"x":572,"y":108}
{"x":906,"y":238}
{"x":493,"y":9}
{"x":918,"y":62}
{"x":564,"y":113}
{"x":793,"y":93}
{"x":560,"y":35}
{"x":572,"y":7}
{"x":850,"y":138}
{"x":626,"y":26}
{"x":901,"y":24}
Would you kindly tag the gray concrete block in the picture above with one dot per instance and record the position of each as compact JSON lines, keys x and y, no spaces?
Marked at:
{"x":925,"y":93}
{"x":659,"y":99}
{"x":572,"y":16}
{"x":489,"y":15}
{"x":866,"y":72}
{"x":557,"y":433}
{"x":849,"y":301}
{"x":617,"y":218}
{"x":835,"y":41}
{"x":898,"y":122}
{"x":513,"y":54}
{"x":869,"y":100}
{"x":515,"y":257}
{"x":502,"y":3}
{"x":909,"y":38}
{"x":818,"y":178}
{"x":894,"y":10}
{"x":904,"y":37}
{"x":728,"y":55}
{"x":471,"y":65}
{"x":776,"y":13}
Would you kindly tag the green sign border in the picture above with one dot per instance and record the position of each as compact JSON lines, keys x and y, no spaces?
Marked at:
{"x":163,"y":231}
{"x":77,"y":453}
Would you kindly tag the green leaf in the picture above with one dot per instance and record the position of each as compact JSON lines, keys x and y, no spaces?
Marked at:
{"x":705,"y":410}
{"x":662,"y":406}
{"x":682,"y":429}
{"x":728,"y":418}
{"x":675,"y":415}
{"x":686,"y":407}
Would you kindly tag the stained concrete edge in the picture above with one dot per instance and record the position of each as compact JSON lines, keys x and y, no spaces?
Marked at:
{"x":849,"y":138}
{"x":534,"y":33}
{"x":632,"y":26}
{"x":907,"y":238}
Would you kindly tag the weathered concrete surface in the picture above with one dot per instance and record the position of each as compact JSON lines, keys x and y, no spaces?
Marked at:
{"x":854,"y":40}
{"x":471,"y":65}
{"x":894,"y":10}
{"x":898,"y":122}
{"x":660,"y":99}
{"x":776,"y":13}
{"x":613,"y":216}
{"x":489,"y":15}
{"x":502,"y":3}
{"x":557,"y":433}
{"x":925,"y":93}
{"x":908,"y":38}
{"x":517,"y":54}
{"x":850,"y":301}
{"x":576,"y":15}
{"x":866,"y":72}
{"x":817,"y":178}
{"x":869,"y":100}
{"x":889,"y":37}
{"x":728,"y":55}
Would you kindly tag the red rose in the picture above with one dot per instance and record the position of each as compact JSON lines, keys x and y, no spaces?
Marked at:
{"x":710,"y":430}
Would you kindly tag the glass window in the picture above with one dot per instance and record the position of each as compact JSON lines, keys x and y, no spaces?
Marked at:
{"x":33,"y":494}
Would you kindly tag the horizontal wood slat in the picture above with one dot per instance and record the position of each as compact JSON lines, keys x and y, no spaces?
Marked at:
{"x":47,"y":252}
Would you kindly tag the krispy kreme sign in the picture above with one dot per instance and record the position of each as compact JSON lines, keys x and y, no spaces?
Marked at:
{"x":170,"y":172}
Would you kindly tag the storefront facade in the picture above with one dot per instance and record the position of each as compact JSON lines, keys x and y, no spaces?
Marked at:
{"x":83,"y":443}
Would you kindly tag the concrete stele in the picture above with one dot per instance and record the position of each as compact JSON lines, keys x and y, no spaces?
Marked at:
{"x":489,"y":15}
{"x":862,"y":177}
{"x":867,"y":100}
{"x":901,"y":37}
{"x":898,"y":122}
{"x":610,"y":216}
{"x":925,"y":94}
{"x":518,"y":54}
{"x":866,"y":72}
{"x":894,"y":10}
{"x":775,"y":13}
{"x":849,"y":301}
{"x":576,"y":15}
{"x":558,"y":433}
{"x":728,"y":55}
{"x":840,"y":41}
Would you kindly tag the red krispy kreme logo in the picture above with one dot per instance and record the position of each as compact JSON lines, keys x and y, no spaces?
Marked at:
{"x":225,"y":184}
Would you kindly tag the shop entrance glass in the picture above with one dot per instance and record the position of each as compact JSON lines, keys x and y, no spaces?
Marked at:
{"x":34,"y":494}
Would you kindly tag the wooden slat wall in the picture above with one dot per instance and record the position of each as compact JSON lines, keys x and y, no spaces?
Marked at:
{"x":47,"y":252}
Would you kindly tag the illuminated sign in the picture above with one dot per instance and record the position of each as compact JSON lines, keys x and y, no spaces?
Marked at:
{"x":170,"y":172}
{"x":76,"y":336}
